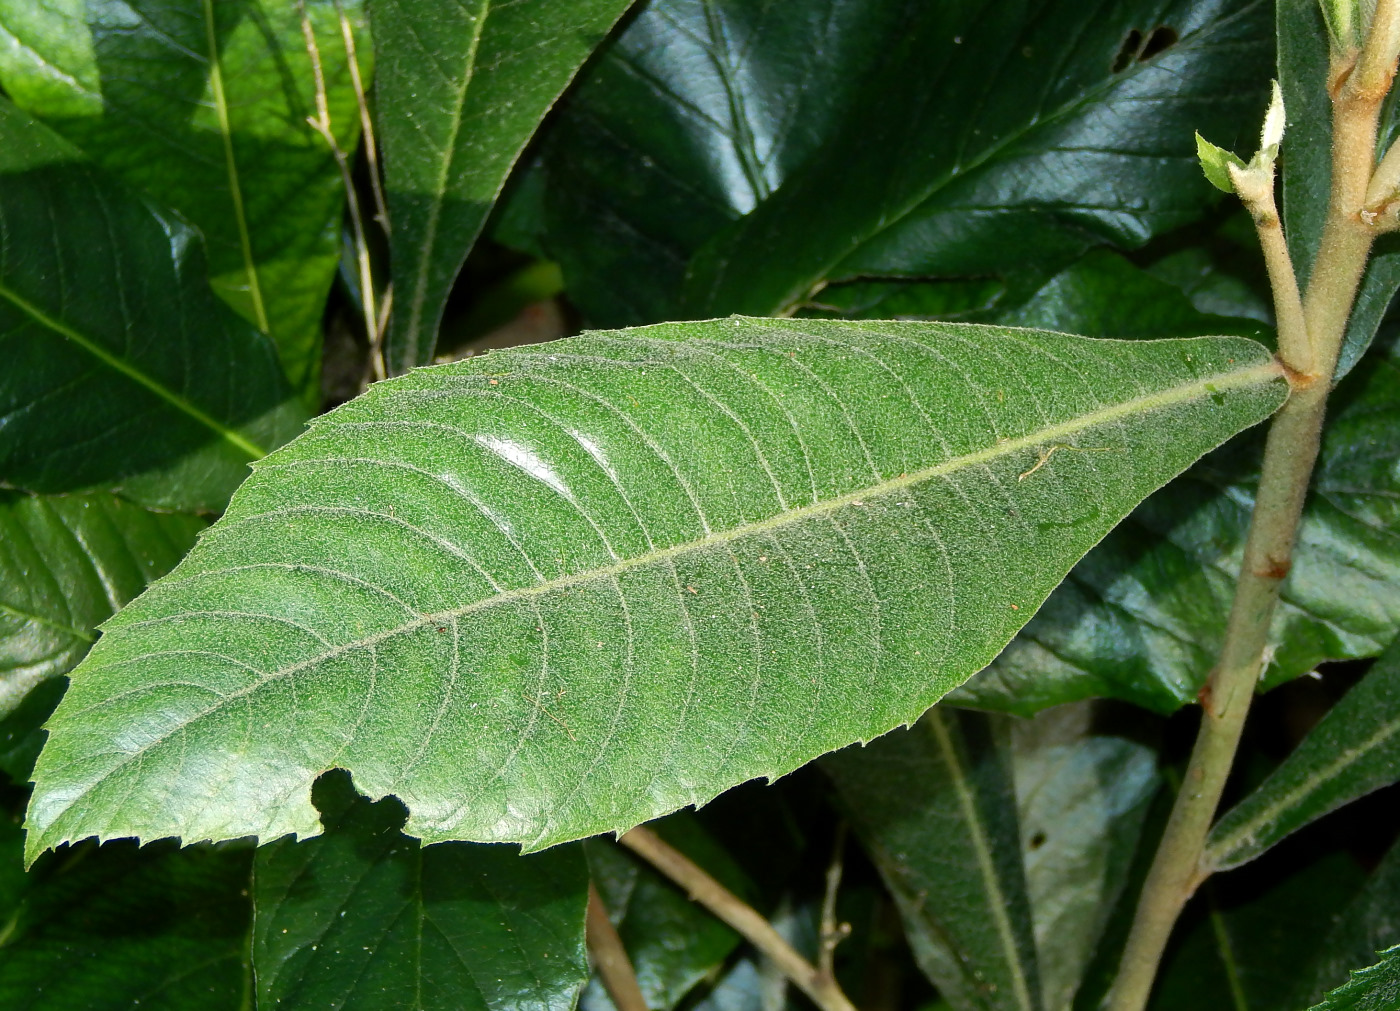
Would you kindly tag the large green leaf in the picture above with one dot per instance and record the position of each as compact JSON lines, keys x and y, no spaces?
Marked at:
{"x":66,"y":563}
{"x":1142,"y":616}
{"x":936,"y":809}
{"x":1354,"y":750}
{"x":121,"y":367}
{"x":461,"y":88}
{"x":115,"y":927}
{"x":203,"y":105}
{"x":1082,"y":795}
{"x":688,"y":120}
{"x":1375,"y":988}
{"x":862,"y":138}
{"x":365,"y":918}
{"x":528,"y":592}
{"x":1078,"y":137}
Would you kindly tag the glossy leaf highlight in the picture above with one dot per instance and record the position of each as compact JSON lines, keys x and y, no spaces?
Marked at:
{"x":526,"y":593}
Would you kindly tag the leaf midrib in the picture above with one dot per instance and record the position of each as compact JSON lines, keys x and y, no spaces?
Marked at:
{"x":245,"y":241}
{"x":1224,"y":850}
{"x":175,"y":400}
{"x":1160,"y":399}
{"x":430,"y":228}
{"x":985,"y":866}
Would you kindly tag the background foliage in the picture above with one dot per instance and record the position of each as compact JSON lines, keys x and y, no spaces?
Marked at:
{"x":179,"y":292}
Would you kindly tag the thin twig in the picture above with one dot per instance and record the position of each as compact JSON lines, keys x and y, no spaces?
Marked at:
{"x":824,"y":991}
{"x":376,"y":183}
{"x":1294,"y":347}
{"x":833,"y":932}
{"x":610,"y":957}
{"x":321,"y":123}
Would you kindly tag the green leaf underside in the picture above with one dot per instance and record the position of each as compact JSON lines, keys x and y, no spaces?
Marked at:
{"x":122,"y":368}
{"x":1081,"y":798}
{"x":364,"y":917}
{"x":1354,"y":750}
{"x":563,"y":589}
{"x":1375,"y":988}
{"x":224,"y":142}
{"x":936,"y":809}
{"x":66,"y":563}
{"x":461,"y":88}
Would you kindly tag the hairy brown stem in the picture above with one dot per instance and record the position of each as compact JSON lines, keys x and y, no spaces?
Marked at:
{"x":820,"y":986}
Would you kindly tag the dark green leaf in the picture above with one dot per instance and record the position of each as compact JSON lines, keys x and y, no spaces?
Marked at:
{"x":366,"y":918}
{"x":66,"y":563}
{"x":1375,"y":988}
{"x":1242,"y":952}
{"x":549,"y":579}
{"x":672,"y":942}
{"x":935,"y":808}
{"x":1353,"y":751}
{"x":121,"y":367}
{"x":21,"y":736}
{"x":461,"y":88}
{"x":1371,"y":922}
{"x":1082,"y":795}
{"x":1142,"y":616}
{"x":1079,"y":137}
{"x":202,"y":105}
{"x":690,"y":119}
{"x":843,"y":132}
{"x":115,"y":927}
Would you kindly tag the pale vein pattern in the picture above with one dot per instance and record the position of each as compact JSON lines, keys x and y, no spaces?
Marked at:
{"x":560,"y":590}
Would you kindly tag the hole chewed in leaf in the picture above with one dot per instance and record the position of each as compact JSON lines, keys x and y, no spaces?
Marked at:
{"x":1137,"y":48}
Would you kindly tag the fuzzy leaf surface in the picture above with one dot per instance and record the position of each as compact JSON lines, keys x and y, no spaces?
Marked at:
{"x":122,"y":370}
{"x":527,"y":592}
{"x":1375,"y":988}
{"x":366,"y":918}
{"x":1354,"y":750}
{"x":461,"y":88}
{"x":132,"y":85}
{"x":66,"y":564}
{"x":1141,"y":618}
